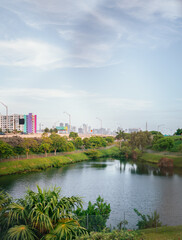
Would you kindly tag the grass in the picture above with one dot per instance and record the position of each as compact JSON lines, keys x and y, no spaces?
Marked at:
{"x":38,"y":164}
{"x":162,"y":233}
{"x":155,"y":157}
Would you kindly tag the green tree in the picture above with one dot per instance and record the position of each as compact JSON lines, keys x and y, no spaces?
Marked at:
{"x":78,"y":142}
{"x":70,"y":147}
{"x":46,"y":130}
{"x":43,"y":214}
{"x":29,"y":144}
{"x":178,"y":131}
{"x":73,"y":135}
{"x":46,"y":143}
{"x":126,"y":151}
{"x":98,"y":213}
{"x":109,"y":139}
{"x":5,"y":150}
{"x":165,"y":143}
{"x":140,"y":140}
{"x":56,"y":142}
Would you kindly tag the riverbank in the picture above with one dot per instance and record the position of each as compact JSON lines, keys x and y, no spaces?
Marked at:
{"x":162,"y":233}
{"x":155,"y":157}
{"x":37,"y":164}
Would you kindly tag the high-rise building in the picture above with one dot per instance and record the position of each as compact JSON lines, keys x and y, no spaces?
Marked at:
{"x":23,"y":123}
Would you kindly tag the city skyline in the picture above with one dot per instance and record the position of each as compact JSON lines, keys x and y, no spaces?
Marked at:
{"x":117,"y":61}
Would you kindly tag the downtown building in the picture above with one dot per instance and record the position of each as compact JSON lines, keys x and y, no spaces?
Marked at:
{"x":19,"y":122}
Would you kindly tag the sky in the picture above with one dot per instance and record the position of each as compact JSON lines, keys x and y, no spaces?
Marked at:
{"x":120,"y":61}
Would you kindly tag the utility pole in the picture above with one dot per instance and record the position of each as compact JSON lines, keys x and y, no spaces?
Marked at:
{"x":100,"y":123}
{"x":6,"y":115}
{"x":69,"y":130}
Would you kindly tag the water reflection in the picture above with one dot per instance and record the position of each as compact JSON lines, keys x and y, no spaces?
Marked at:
{"x":125,"y":185}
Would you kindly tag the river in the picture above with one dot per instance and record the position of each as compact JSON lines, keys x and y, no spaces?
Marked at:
{"x":124,"y":185}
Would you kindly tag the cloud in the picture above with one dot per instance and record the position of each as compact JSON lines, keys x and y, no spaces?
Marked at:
{"x":43,"y":94}
{"x":125,"y":104}
{"x":30,"y":53}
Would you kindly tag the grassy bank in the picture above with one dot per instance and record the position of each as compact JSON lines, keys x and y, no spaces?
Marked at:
{"x":162,"y":233}
{"x":37,"y":164}
{"x":155,"y":157}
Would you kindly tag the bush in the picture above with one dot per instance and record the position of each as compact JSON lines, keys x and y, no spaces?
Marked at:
{"x":93,"y":154}
{"x":148,"y":221}
{"x":165,"y":143}
{"x":114,"y":235}
{"x":97,"y":213}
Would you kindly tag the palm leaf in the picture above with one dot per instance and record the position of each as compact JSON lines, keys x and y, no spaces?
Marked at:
{"x":21,"y":232}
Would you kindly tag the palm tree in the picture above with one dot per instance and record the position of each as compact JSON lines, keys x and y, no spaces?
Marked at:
{"x":120,"y":135}
{"x":41,"y":215}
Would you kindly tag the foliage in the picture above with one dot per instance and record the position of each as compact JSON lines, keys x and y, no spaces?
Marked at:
{"x":156,"y":138}
{"x":56,"y":142}
{"x":165,"y":143}
{"x":46,"y":130}
{"x":156,"y":133}
{"x":178,"y":131}
{"x":109,"y":139}
{"x":16,"y":143}
{"x":53,"y":130}
{"x":70,"y":147}
{"x":93,"y":154}
{"x":140,"y":139}
{"x":5,"y":150}
{"x":41,"y":214}
{"x":46,"y":144}
{"x":98,"y":214}
{"x":120,"y":135}
{"x":126,"y":151}
{"x":148,"y":221}
{"x":114,"y":235}
{"x":73,"y":135}
{"x":96,"y":142}
{"x":78,"y":142}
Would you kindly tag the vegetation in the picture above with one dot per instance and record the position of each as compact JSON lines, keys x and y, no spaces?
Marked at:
{"x":54,"y":143}
{"x":43,"y":214}
{"x":73,"y":135}
{"x":164,"y":143}
{"x":148,"y":221}
{"x":113,"y":235}
{"x":37,"y":164}
{"x":178,"y":131}
{"x":98,"y":213}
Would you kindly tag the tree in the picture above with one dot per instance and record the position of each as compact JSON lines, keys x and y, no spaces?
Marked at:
{"x":78,"y":142}
{"x":29,"y":144}
{"x":46,"y":143}
{"x":140,"y":140}
{"x":99,"y":213}
{"x":40,"y":214}
{"x":16,"y":143}
{"x":5,"y":150}
{"x":70,"y":147}
{"x":126,"y":151}
{"x":73,"y":135}
{"x":56,"y":142}
{"x":109,"y":139}
{"x":46,"y":130}
{"x":178,"y":131}
{"x":120,"y":136}
{"x":165,"y":143}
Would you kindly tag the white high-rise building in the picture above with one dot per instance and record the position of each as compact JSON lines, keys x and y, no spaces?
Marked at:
{"x":13,"y":122}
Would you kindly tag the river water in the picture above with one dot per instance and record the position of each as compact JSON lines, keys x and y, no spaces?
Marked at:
{"x":124,"y":185}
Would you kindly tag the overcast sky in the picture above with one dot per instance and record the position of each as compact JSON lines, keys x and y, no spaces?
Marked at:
{"x":120,"y":61}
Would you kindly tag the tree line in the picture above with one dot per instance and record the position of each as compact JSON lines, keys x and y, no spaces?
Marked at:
{"x":13,"y":146}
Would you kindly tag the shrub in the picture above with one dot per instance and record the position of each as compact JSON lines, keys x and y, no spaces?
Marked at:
{"x":148,"y":221}
{"x":97,"y":214}
{"x":165,"y":143}
{"x":93,"y":154}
